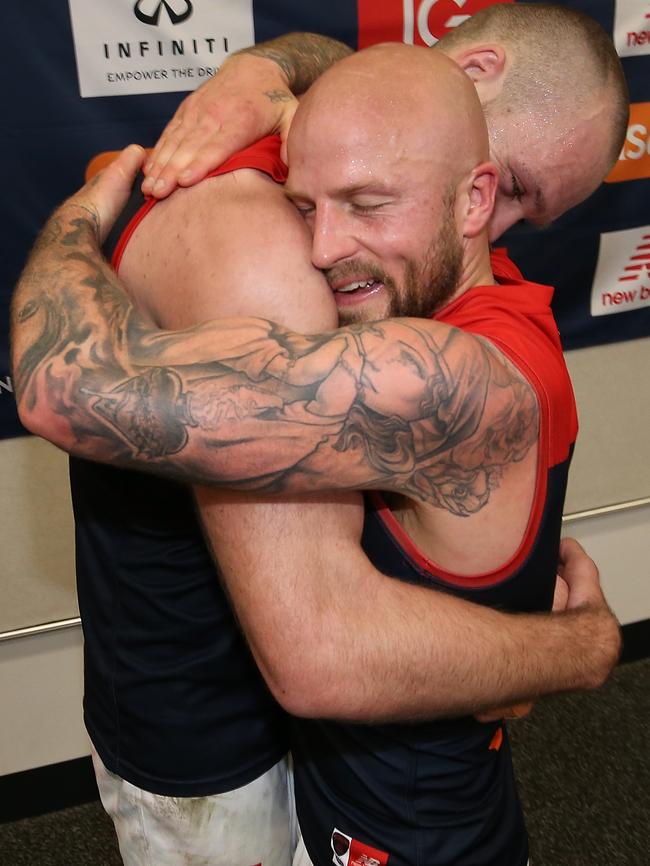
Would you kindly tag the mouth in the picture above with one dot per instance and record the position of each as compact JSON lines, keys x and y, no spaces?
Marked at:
{"x":347,"y":292}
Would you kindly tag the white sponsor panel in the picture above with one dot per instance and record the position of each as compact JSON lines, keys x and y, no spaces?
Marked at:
{"x":632,"y":27}
{"x":155,"y":46}
{"x":622,"y":279}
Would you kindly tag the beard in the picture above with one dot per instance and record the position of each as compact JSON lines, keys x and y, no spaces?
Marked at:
{"x":428,"y":283}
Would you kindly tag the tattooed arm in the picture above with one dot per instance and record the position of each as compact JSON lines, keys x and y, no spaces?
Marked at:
{"x":406,"y":405}
{"x":83,"y":374}
{"x":251,"y":95}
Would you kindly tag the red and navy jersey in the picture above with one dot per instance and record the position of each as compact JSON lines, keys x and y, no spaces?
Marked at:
{"x":443,"y":793}
{"x":173,"y":700}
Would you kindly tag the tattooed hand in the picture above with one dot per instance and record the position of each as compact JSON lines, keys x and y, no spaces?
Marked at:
{"x":250,"y":96}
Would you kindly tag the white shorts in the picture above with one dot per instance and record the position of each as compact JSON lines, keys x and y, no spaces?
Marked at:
{"x":252,"y":825}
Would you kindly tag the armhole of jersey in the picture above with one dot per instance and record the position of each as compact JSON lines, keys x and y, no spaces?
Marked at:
{"x":127,"y":234}
{"x":263,"y":156}
{"x":497,"y":575}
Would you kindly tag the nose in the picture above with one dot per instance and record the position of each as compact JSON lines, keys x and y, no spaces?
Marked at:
{"x":333,"y":239}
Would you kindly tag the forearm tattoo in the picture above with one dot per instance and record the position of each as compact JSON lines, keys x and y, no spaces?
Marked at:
{"x":408,"y":405}
{"x":301,"y":56}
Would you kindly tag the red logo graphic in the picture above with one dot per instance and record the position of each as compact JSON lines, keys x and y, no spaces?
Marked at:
{"x":349,"y":852}
{"x":622,"y":277}
{"x":416,"y":22}
{"x":639,"y":263}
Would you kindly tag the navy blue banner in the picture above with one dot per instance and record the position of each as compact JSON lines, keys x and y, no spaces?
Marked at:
{"x":85,"y":76}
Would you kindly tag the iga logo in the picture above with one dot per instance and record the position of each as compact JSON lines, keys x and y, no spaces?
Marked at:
{"x":416,"y":22}
{"x":156,"y":7}
{"x":622,"y":279}
{"x":634,"y":161}
{"x":632,"y":27}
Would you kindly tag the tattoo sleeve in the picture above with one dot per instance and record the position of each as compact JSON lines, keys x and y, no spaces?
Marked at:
{"x":409,"y":405}
{"x":301,"y":56}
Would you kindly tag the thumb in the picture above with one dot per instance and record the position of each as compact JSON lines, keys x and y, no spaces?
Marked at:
{"x":107,"y":193}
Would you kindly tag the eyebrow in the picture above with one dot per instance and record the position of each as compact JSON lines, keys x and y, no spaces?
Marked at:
{"x":371,"y":187}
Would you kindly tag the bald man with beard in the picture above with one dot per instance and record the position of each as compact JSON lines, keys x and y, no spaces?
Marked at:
{"x":436,"y":391}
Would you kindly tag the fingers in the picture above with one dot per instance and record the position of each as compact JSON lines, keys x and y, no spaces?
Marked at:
{"x":516,"y":711}
{"x":561,"y":594}
{"x":200,"y":150}
{"x":580,"y":573}
{"x":170,"y":155}
{"x":571,"y":551}
{"x":166,"y":144}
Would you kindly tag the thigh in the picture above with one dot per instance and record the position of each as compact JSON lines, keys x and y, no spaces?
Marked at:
{"x":244,"y":827}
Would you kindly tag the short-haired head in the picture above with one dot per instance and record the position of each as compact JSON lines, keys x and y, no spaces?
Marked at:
{"x":555,"y":100}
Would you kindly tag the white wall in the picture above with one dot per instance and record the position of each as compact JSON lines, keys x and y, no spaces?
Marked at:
{"x":41,"y":688}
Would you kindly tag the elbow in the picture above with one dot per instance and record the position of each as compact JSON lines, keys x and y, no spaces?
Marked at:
{"x":40,"y":421}
{"x":311,"y":684}
{"x":31,"y":419}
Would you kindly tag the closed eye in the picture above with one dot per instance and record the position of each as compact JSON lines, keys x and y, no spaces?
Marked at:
{"x":517,"y":192}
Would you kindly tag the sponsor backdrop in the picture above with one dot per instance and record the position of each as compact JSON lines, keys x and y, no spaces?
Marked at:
{"x":83,"y":76}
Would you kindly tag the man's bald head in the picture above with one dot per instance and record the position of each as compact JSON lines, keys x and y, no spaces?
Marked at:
{"x":387,"y":156}
{"x":386,"y":91}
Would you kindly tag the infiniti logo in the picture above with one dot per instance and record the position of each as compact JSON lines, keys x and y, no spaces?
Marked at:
{"x":155,"y":8}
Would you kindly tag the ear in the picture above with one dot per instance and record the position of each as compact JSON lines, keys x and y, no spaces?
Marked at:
{"x":485,"y":65}
{"x":482,"y":187}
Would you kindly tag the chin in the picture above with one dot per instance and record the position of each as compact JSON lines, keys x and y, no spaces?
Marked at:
{"x":354,"y":314}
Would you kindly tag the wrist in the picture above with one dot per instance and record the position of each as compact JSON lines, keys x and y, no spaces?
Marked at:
{"x":275,"y":68}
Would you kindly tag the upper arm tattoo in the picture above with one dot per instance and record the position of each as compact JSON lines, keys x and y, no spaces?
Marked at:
{"x":407,"y":405}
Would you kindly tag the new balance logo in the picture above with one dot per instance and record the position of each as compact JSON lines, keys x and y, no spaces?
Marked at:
{"x":622,"y":279}
{"x":639,"y":262}
{"x":632,"y":27}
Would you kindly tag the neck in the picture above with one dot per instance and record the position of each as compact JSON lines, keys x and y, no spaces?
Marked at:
{"x":476,"y":270}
